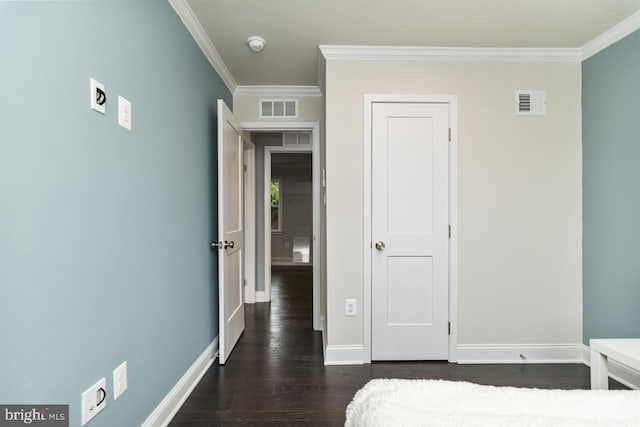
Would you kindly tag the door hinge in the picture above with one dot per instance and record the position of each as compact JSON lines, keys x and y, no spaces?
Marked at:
{"x":244,"y":167}
{"x":449,"y":134}
{"x":449,"y":231}
{"x":449,"y":331}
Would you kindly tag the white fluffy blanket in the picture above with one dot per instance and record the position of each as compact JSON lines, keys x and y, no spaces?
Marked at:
{"x":387,"y":403}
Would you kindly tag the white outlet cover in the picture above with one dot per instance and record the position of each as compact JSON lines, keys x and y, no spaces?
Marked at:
{"x":119,"y":380}
{"x":350,"y":307}
{"x":90,"y":398}
{"x":124,"y":112}
{"x":95,"y":97}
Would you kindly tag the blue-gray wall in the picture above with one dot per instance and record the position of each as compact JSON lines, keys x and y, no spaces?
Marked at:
{"x":611,"y":191}
{"x":104,"y":233}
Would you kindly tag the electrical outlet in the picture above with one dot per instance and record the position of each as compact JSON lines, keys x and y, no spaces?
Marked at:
{"x":93,"y":400}
{"x":98,"y":96}
{"x":119,"y":380}
{"x":350,"y":307}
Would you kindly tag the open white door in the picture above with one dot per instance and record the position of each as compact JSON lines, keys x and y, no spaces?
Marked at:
{"x":230,"y":231}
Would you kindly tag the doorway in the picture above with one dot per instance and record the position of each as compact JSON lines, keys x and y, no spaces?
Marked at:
{"x":297,"y":246}
{"x":291,"y":209}
{"x":410,"y":228}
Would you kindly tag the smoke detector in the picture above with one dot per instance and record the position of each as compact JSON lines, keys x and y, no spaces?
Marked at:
{"x":256,"y":43}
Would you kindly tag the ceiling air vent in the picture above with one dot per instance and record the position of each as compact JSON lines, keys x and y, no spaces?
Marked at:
{"x":531,"y":102}
{"x":296,"y":139}
{"x":278,"y":108}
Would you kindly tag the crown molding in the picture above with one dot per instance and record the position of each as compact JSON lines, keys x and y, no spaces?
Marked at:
{"x":417,"y":53}
{"x":612,"y":35}
{"x":184,"y":11}
{"x":322,"y":64}
{"x":280,"y":91}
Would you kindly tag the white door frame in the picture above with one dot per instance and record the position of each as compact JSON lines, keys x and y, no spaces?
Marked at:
{"x":314,"y":128}
{"x":452,"y":100}
{"x":249,"y":222}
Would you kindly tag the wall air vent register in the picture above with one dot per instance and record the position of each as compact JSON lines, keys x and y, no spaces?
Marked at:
{"x":296,"y":139}
{"x":531,"y":103}
{"x":278,"y":108}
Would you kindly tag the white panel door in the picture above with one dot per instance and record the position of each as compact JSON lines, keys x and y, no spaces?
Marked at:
{"x":230,"y":231}
{"x":410,"y":227}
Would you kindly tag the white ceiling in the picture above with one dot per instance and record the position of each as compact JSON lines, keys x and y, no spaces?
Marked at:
{"x":295,"y":28}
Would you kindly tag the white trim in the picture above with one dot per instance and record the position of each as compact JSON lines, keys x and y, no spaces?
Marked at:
{"x":619,"y":372}
{"x":193,"y":25}
{"x":323,"y":323}
{"x":419,"y":53}
{"x":314,"y":128}
{"x":612,"y":35}
{"x":170,"y":405}
{"x":322,"y":64}
{"x":366,"y":225}
{"x":279,"y":91}
{"x":262,"y":296}
{"x":249,"y":211}
{"x":452,"y":100}
{"x":249,"y":296}
{"x":344,"y":355}
{"x":510,"y":353}
{"x":453,"y":221}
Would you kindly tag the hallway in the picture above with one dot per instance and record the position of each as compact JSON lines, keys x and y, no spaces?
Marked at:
{"x":276,"y":377}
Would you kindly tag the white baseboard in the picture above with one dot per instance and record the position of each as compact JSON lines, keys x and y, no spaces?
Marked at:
{"x":261,"y":296}
{"x":167,"y":409}
{"x":621,"y":373}
{"x":510,"y":353}
{"x":249,"y":295}
{"x":344,"y":355}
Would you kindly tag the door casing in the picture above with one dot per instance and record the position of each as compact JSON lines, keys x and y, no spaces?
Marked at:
{"x":452,"y":101}
{"x":249,"y":197}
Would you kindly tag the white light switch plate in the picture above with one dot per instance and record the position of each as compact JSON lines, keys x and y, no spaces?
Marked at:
{"x":93,"y":400}
{"x":98,"y":96}
{"x":119,"y":380}
{"x":124,"y":113}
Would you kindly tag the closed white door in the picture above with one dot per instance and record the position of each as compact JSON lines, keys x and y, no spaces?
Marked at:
{"x":410,"y":231}
{"x":230,"y":231}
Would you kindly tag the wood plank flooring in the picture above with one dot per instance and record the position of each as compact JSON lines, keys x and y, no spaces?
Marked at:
{"x":276,"y":377}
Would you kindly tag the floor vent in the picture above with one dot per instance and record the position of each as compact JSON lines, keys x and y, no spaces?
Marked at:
{"x":531,"y":102}
{"x":278,"y":108}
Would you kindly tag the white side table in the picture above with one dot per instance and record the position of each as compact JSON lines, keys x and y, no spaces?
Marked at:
{"x":625,"y":351}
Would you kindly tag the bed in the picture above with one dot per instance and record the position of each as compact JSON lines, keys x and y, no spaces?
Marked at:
{"x":388,"y":403}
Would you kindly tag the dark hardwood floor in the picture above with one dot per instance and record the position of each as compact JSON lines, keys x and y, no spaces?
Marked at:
{"x":275,"y":375}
